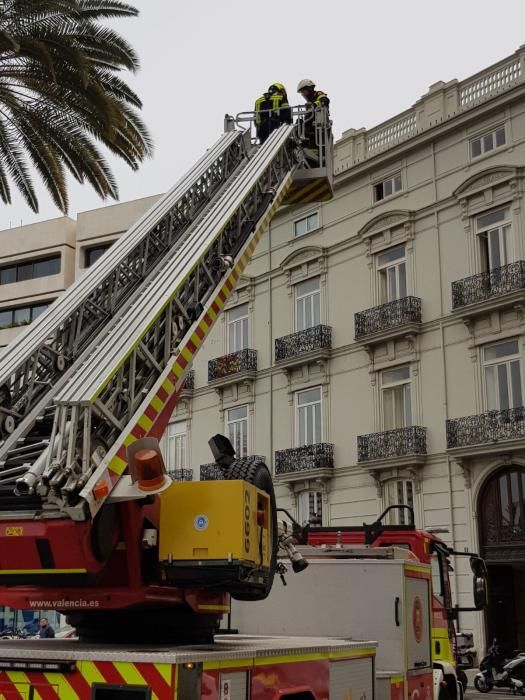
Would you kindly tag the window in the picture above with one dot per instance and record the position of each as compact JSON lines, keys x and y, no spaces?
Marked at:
{"x":91,"y":255}
{"x":493,"y":229}
{"x":306,"y":224}
{"x":177,"y":457}
{"x":502,"y":366}
{"x":400,"y":492}
{"x":30,"y":269}
{"x":238,"y":328}
{"x":237,"y":429}
{"x":437,"y":576}
{"x":487,"y":142}
{"x":392,"y":268}
{"x":396,"y":398}
{"x":308,"y":417}
{"x":310,"y":507}
{"x":307,"y":304}
{"x":20,"y":316}
{"x":387,"y":188}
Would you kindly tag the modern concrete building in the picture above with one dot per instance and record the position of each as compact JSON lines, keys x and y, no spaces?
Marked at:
{"x":374,"y":351}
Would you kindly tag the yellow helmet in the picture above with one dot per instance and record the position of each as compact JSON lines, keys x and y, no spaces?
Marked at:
{"x":277,"y":87}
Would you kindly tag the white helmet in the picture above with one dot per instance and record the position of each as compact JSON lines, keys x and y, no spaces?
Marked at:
{"x":305,"y":83}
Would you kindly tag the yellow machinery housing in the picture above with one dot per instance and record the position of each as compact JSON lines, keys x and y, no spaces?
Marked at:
{"x":216,"y":532}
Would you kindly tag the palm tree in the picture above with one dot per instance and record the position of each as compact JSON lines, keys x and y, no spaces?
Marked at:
{"x":61,"y":96}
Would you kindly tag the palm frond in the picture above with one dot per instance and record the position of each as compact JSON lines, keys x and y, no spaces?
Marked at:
{"x":61,"y":94}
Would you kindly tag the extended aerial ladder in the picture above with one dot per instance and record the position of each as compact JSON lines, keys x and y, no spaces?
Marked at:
{"x":103,"y":367}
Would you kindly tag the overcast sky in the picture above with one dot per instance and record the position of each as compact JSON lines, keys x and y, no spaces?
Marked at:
{"x":204,"y":58}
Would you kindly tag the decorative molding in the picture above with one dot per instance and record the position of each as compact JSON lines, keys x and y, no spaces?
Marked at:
{"x":303,"y":255}
{"x":384,"y":222}
{"x":466,"y":467}
{"x":483,"y":180}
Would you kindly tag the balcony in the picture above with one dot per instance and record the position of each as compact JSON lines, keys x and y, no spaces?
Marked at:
{"x":304,"y":346}
{"x":484,"y":433}
{"x":212,"y":472}
{"x":488,"y":291}
{"x":392,"y":320}
{"x":181,"y":474}
{"x":189,"y":384}
{"x":393,"y":448}
{"x":307,"y":462}
{"x":232,"y":368}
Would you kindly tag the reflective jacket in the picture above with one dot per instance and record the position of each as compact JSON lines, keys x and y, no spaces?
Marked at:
{"x":321,"y":99}
{"x":280,"y":114}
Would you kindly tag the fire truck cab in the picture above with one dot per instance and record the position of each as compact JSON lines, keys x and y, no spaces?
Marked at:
{"x":428,"y":548}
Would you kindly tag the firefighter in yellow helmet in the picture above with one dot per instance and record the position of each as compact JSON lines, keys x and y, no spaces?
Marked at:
{"x":271,"y":110}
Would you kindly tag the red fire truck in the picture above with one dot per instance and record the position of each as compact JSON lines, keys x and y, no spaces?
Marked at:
{"x":234,"y":668}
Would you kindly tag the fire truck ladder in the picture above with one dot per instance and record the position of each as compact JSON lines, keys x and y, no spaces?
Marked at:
{"x":39,"y":361}
{"x":72,"y":520}
{"x":127,"y":386}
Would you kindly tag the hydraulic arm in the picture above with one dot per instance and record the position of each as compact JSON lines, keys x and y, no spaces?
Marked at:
{"x":102,"y":369}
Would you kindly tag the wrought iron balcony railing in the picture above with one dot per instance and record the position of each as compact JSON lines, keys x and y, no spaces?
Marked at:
{"x":181,"y":474}
{"x":304,"y":459}
{"x":309,"y":340}
{"x":387,"y":316}
{"x":189,"y":382}
{"x":492,"y":426}
{"x":488,"y":285}
{"x":212,"y":471}
{"x":402,"y":442}
{"x":234,"y":363}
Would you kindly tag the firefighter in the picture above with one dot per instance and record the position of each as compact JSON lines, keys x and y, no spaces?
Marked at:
{"x":314,"y":99}
{"x":271,"y":110}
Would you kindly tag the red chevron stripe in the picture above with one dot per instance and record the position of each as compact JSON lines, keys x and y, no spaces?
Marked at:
{"x":182,"y":362}
{"x":162,"y":394}
{"x":8,"y":689}
{"x":42,"y":686}
{"x":191,"y":346}
{"x":200,"y":332}
{"x":207,"y":318}
{"x":122,"y":452}
{"x":172,"y":376}
{"x":109,"y":672}
{"x":138,"y":431}
{"x":155,"y":680}
{"x":79,"y":684}
{"x":150,"y":412}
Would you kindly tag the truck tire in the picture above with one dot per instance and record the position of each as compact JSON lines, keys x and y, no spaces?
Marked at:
{"x":164,"y":625}
{"x":257,"y":473}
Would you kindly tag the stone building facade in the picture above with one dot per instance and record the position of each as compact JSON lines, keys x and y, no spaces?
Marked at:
{"x":374,"y":352}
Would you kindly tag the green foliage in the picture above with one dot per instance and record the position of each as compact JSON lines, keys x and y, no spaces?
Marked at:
{"x":61,"y":96}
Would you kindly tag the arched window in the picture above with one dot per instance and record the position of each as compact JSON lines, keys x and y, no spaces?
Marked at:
{"x":502,"y":514}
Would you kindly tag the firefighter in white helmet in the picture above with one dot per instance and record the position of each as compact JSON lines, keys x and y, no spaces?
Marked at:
{"x":313,"y":97}
{"x":314,"y":100}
